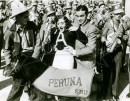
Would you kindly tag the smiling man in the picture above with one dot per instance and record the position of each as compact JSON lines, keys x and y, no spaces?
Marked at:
{"x":85,"y":54}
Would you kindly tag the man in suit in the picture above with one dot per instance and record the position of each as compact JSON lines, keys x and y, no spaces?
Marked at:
{"x":85,"y":54}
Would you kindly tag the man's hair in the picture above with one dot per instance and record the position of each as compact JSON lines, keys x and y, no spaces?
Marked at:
{"x":82,"y":8}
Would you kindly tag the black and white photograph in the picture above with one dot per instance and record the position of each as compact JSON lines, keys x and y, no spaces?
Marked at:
{"x":64,"y":50}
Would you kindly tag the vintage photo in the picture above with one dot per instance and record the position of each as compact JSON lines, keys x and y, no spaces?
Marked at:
{"x":64,"y":50}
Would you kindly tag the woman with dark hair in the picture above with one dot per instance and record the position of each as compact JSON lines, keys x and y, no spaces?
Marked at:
{"x":64,"y":40}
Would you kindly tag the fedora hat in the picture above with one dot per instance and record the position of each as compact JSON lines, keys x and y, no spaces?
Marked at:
{"x":18,"y":8}
{"x":117,"y":8}
{"x":49,"y":10}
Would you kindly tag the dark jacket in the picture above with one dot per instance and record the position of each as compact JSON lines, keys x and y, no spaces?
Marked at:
{"x":14,"y":44}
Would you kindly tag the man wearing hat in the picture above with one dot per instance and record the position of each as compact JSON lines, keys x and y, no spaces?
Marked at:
{"x":40,"y":11}
{"x":59,"y":8}
{"x":113,"y":57}
{"x":101,"y":11}
{"x":74,"y":7}
{"x":68,"y":10}
{"x":18,"y":41}
{"x":75,"y":4}
{"x":44,"y":48}
{"x":99,"y":21}
{"x":44,"y":37}
{"x":40,"y":6}
{"x":9,"y":22}
{"x":90,"y":12}
{"x":59,"y":11}
{"x":34,"y":13}
{"x":52,"y":2}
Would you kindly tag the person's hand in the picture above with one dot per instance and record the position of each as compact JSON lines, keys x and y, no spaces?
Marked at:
{"x":118,"y":41}
{"x":55,"y":47}
{"x":125,"y":37}
{"x":70,"y":50}
{"x":103,"y":39}
{"x":73,"y":28}
{"x":108,"y":44}
{"x":95,"y":70}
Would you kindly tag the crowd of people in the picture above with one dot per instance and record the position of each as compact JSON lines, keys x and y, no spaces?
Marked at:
{"x":66,"y":34}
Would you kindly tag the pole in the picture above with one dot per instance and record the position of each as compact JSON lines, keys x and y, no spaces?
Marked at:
{"x":128,"y":95}
{"x":127,"y":5}
{"x":1,"y":42}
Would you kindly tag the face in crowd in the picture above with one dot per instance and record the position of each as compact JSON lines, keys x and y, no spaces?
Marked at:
{"x":59,"y":8}
{"x":39,"y":8}
{"x":126,"y":22}
{"x":54,"y":5}
{"x":117,"y":16}
{"x":34,"y":8}
{"x":102,"y":9}
{"x":23,"y":18}
{"x":68,"y":11}
{"x":74,"y":7}
{"x":51,"y":18}
{"x":81,"y":14}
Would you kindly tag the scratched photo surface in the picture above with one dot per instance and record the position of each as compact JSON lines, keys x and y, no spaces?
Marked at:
{"x":65,"y":50}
